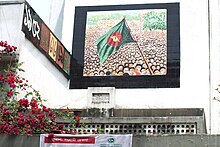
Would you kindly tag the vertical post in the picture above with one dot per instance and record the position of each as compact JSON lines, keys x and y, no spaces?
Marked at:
{"x":151,"y":72}
{"x":142,"y":55}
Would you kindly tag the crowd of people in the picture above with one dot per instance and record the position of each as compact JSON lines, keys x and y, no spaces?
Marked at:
{"x":147,"y":56}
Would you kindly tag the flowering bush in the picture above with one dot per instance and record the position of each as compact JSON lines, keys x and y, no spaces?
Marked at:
{"x":21,"y":106}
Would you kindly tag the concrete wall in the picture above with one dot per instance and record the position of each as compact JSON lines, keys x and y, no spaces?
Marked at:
{"x":199,"y":75}
{"x":19,"y":141}
{"x":176,"y":140}
{"x":137,"y":141}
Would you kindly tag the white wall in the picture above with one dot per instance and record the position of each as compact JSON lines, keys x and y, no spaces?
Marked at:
{"x":197,"y":82}
{"x":9,"y":24}
{"x":43,"y":9}
{"x":214,"y":66}
{"x":194,"y":85}
{"x":51,"y":12}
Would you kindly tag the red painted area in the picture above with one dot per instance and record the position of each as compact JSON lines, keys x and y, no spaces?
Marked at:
{"x":70,"y":140}
{"x":115,"y":39}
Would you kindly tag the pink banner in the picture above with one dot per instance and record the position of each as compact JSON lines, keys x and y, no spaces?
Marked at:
{"x":84,"y":140}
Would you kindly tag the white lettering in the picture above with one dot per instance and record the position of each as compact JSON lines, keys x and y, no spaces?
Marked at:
{"x":32,"y":25}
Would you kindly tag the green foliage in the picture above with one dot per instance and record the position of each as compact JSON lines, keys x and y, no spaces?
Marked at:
{"x":94,"y":19}
{"x":155,"y":20}
{"x":21,"y":106}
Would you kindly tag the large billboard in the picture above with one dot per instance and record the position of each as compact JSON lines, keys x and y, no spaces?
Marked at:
{"x":126,"y":46}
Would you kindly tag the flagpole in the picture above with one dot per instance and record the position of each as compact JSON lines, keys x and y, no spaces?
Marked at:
{"x":151,"y":72}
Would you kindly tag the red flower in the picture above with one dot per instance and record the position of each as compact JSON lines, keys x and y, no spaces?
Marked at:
{"x":46,"y":109}
{"x":64,"y":110}
{"x":78,"y":124}
{"x":41,"y":126}
{"x":60,"y":126}
{"x":53,"y":117}
{"x":51,"y":135}
{"x":2,"y":77}
{"x":33,"y":104}
{"x":41,"y":115}
{"x":50,"y":114}
{"x":78,"y":120}
{"x":23,"y":102}
{"x":12,"y":85}
{"x":16,"y":130}
{"x":6,"y":113}
{"x":10,"y":93}
{"x":77,"y":117}
{"x":35,"y":121}
{"x":19,"y":121}
{"x":9,"y":74}
{"x":30,"y":132}
{"x":20,"y":115}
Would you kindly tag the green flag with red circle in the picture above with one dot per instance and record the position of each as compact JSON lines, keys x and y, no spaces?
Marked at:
{"x":110,"y":42}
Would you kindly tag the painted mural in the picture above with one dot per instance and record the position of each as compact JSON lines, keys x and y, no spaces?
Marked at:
{"x":129,"y":42}
{"x":126,"y":46}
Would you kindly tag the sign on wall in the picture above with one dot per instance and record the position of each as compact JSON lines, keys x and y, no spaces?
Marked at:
{"x":126,"y":46}
{"x":92,"y":140}
{"x":43,"y":38}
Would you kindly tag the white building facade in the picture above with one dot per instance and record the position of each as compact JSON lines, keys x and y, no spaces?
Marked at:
{"x":199,"y":58}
